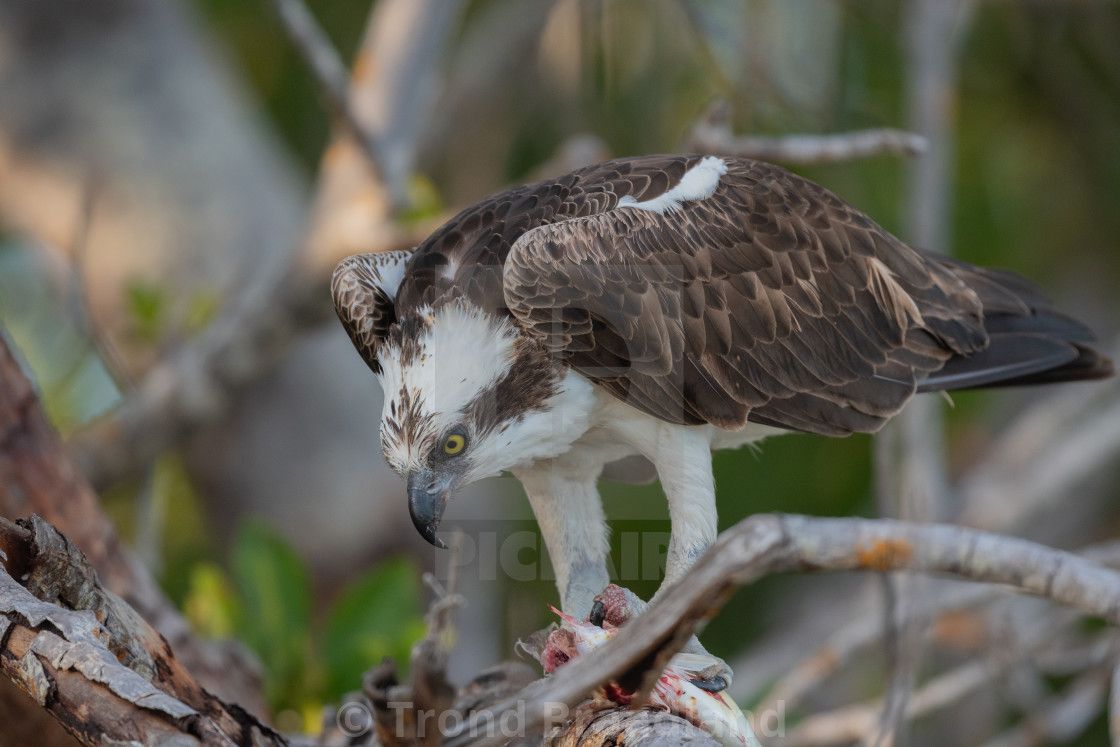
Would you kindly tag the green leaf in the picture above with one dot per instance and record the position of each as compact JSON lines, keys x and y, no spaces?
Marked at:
{"x":210,"y":604}
{"x":276,"y":607}
{"x":147,"y":308}
{"x":379,"y":615}
{"x":424,"y":203}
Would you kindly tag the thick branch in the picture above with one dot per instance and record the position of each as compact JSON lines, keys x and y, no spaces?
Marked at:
{"x":90,"y":660}
{"x":625,"y":726}
{"x":75,"y":624}
{"x":770,"y":543}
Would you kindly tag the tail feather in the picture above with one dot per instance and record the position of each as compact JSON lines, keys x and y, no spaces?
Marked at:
{"x":1029,"y":341}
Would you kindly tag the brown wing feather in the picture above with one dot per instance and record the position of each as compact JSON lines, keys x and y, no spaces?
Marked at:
{"x":772,"y":300}
{"x":363,"y":288}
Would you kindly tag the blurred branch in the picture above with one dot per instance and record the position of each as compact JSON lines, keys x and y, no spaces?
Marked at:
{"x":768,"y":543}
{"x":197,"y":384}
{"x":1043,"y":455}
{"x":393,"y":85}
{"x":87,"y":658}
{"x":428,"y":693}
{"x":1061,"y":717}
{"x":1048,"y":450}
{"x":1114,"y":707}
{"x":331,"y":76}
{"x":712,"y":134}
{"x":911,"y":476}
{"x":852,"y":722}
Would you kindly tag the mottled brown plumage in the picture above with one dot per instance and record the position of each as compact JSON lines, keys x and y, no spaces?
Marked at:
{"x":771,"y":300}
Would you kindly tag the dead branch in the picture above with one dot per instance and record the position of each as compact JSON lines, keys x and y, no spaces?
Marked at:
{"x":90,"y":660}
{"x":36,"y":476}
{"x":712,"y":134}
{"x":772,"y":543}
{"x":1045,"y":453}
{"x":625,"y":726}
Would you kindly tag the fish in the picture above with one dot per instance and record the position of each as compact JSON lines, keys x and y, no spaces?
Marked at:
{"x":674,"y":691}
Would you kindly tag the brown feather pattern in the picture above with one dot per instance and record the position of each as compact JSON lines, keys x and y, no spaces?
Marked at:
{"x":772,"y":300}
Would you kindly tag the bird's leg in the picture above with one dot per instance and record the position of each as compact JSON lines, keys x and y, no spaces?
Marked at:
{"x":571,"y":519}
{"x":684,"y":464}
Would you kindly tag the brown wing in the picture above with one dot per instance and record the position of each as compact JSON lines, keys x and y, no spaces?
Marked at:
{"x":363,"y":289}
{"x":771,"y":300}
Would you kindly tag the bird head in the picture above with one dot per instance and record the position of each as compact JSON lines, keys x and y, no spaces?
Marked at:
{"x":467,"y":396}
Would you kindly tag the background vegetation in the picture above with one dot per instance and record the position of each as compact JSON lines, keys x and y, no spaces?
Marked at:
{"x":1035,"y":187}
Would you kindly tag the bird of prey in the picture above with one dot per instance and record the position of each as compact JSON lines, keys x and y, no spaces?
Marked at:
{"x":667,"y":306}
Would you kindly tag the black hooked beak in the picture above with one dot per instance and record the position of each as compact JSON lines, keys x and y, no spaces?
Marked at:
{"x":427,"y":497}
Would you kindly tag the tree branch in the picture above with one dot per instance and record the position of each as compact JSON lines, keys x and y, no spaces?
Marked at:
{"x":330,"y":74}
{"x":88,"y":658}
{"x":196,"y":385}
{"x":712,"y":134}
{"x":772,"y":543}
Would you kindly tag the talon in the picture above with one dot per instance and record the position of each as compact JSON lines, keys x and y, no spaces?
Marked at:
{"x":598,"y":613}
{"x":713,"y":685}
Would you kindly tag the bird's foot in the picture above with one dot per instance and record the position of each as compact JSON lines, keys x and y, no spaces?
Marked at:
{"x":614,"y":606}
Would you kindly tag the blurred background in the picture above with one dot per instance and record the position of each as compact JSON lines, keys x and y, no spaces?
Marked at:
{"x":170,"y":177}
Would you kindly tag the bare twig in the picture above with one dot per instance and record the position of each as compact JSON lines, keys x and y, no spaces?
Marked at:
{"x":1054,"y":446}
{"x":770,"y":543}
{"x":862,"y":632}
{"x":712,"y":134}
{"x":330,"y":73}
{"x":102,"y":343}
{"x":1061,"y":717}
{"x":921,"y":483}
{"x":853,"y":722}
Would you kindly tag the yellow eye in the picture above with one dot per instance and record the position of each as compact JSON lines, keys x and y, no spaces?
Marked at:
{"x":454,"y":444}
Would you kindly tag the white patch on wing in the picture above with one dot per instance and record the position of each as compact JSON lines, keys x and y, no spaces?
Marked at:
{"x":698,"y":183}
{"x":386,"y":269}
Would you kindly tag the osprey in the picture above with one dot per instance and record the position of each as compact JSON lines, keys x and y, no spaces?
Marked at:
{"x":665,"y":307}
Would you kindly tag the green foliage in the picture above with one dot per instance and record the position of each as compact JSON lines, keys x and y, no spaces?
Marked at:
{"x":379,"y":615}
{"x":268,"y":604}
{"x":275,"y":612}
{"x":424,"y":202}
{"x":211,"y":603}
{"x":147,"y":309}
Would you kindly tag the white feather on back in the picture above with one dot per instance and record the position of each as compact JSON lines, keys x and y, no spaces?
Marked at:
{"x":698,"y":183}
